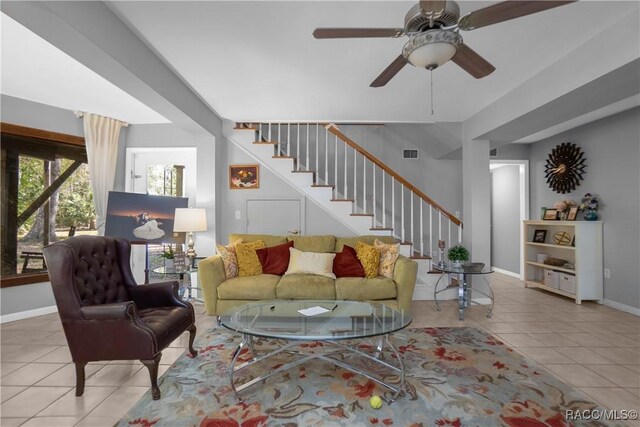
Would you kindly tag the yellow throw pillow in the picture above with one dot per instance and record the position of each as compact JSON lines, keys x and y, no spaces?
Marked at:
{"x":388,"y":255}
{"x":310,"y":263}
{"x":229,"y":258}
{"x":248,"y":262}
{"x":369,"y":257}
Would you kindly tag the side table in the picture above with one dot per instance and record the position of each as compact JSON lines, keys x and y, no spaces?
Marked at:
{"x":186,"y":290}
{"x":463,"y":288}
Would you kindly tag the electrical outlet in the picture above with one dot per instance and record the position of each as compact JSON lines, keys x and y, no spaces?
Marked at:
{"x":607,"y":273}
{"x":238,"y":214}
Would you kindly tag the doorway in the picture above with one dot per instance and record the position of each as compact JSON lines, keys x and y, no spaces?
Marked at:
{"x":164,"y":171}
{"x":509,"y":207}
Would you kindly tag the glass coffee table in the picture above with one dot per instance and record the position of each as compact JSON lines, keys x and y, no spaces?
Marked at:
{"x":342,"y":320}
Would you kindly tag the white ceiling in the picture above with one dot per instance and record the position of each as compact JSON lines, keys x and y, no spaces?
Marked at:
{"x":35,"y":70}
{"x":258,"y":60}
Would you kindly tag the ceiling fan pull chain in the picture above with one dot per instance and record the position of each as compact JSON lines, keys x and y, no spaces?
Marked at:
{"x":431,"y":88}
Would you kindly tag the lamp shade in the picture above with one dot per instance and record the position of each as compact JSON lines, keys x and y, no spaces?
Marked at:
{"x":190,"y":219}
{"x":432,"y":48}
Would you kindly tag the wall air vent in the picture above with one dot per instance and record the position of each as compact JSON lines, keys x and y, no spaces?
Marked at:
{"x":410,"y":154}
{"x":493,"y":153}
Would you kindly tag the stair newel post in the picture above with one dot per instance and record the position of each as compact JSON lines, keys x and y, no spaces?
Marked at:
{"x":431,"y":230}
{"x":393,"y":203}
{"x":402,"y":211}
{"x":421,"y":229}
{"x":373,"y":188}
{"x":384,"y":199}
{"x":317,"y":175}
{"x":307,"y":152}
{"x":345,"y":160}
{"x":335,"y":164}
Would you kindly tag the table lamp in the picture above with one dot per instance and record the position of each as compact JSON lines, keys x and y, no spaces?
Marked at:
{"x":188,"y":220}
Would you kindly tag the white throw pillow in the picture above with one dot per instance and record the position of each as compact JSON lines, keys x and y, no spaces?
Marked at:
{"x":320,"y":264}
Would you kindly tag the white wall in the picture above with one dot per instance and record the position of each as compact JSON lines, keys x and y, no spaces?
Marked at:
{"x":612,"y":151}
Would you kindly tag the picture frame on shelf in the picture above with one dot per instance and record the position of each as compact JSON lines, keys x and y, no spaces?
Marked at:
{"x":539,"y":236}
{"x":573,"y":213}
{"x":550,"y":215}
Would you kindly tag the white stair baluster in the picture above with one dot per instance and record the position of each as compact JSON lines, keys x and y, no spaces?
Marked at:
{"x":439,"y":225}
{"x":346,"y":157}
{"x":402,"y":211}
{"x":364,"y":184}
{"x":279,"y":140}
{"x":384,"y":198}
{"x":393,"y":203}
{"x":326,"y":157}
{"x":449,"y":234}
{"x":335,"y":164}
{"x":306,"y":166}
{"x":413,"y":234}
{"x":431,"y":230}
{"x":421,"y":230}
{"x":298,"y":149}
{"x":259,"y":132}
{"x":373,"y":175}
{"x":355,"y":178}
{"x":317,"y":172}
{"x":269,"y":133}
{"x":288,"y":139}
{"x":459,"y":233}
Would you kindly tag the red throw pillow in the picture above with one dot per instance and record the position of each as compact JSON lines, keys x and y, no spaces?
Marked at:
{"x":275,"y":260}
{"x":346,"y":263}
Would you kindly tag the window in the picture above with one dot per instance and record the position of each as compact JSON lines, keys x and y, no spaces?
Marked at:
{"x":46,"y":196}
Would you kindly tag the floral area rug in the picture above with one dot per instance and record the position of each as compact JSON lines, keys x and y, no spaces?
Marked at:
{"x":454,"y":377}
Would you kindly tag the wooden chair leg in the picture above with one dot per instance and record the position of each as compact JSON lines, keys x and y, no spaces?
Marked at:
{"x":192,"y":336}
{"x":152,"y":366}
{"x":80,"y":378}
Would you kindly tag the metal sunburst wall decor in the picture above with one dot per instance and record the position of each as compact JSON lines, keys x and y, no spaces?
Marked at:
{"x":565,"y":168}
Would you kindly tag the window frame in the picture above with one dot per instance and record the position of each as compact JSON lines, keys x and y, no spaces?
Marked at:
{"x":13,"y":130}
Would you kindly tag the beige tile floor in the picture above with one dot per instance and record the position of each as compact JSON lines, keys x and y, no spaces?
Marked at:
{"x":591,"y":347}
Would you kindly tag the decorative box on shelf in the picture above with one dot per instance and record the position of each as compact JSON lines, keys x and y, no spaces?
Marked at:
{"x":581,"y":277}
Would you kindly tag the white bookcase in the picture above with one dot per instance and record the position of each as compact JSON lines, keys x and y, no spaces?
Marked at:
{"x":582,"y":282}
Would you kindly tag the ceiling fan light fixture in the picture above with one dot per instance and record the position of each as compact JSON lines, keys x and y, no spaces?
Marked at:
{"x":432,"y":48}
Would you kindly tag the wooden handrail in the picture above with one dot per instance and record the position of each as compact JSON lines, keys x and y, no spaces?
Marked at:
{"x":331,"y":127}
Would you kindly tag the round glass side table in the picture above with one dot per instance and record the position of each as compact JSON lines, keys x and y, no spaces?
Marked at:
{"x":464,"y":290}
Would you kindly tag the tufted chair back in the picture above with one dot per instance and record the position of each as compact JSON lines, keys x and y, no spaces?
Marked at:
{"x":89,"y":270}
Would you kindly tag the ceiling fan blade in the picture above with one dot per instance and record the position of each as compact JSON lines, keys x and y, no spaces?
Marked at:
{"x":472,"y":63}
{"x":389,"y":72}
{"x":342,"y":33}
{"x":432,"y":6}
{"x":505,"y":11}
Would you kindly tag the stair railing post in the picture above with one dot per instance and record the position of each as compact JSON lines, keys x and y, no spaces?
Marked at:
{"x":384,"y":199}
{"x":269,"y":134}
{"x":317,"y":174}
{"x":449,"y":234}
{"x":335,"y":164}
{"x":326,"y":157}
{"x":421,"y":229}
{"x":413,"y":234}
{"x":346,"y":157}
{"x":431,"y":230}
{"x":402,"y":211}
{"x":373,"y":176}
{"x":259,"y":133}
{"x":439,"y":225}
{"x":298,"y":148}
{"x":307,"y":151}
{"x":355,"y":178}
{"x":288,"y":139}
{"x":393,"y":203}
{"x":364,"y":184}
{"x":279,"y":140}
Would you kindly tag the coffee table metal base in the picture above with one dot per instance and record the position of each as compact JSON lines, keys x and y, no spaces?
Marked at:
{"x":290,"y":348}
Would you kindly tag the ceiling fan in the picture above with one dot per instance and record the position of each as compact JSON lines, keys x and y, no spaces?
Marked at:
{"x":433,"y":28}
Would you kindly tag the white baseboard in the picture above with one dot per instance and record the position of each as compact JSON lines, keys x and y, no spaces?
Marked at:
{"x":506,"y":272}
{"x":28,"y":313}
{"x":622,"y":307}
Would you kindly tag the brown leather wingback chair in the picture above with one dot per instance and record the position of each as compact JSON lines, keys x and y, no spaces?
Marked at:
{"x":105,"y":314}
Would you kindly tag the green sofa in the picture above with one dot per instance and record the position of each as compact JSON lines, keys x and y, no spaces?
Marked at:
{"x":221,"y":294}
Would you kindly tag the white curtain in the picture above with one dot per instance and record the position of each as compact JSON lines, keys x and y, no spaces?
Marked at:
{"x":101,"y":138}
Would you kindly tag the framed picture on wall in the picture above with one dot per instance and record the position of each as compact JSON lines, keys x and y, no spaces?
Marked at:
{"x":243,"y":177}
{"x":539,"y":236}
{"x":550,"y":215}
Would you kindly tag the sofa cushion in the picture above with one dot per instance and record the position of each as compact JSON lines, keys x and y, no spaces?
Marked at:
{"x":275,"y":260}
{"x":388,"y":255}
{"x":346,"y":263}
{"x":248,"y":262}
{"x":306,"y":286}
{"x":369,"y":257}
{"x":320,"y":264}
{"x":269,"y":240}
{"x":229,"y":259}
{"x":351,"y":241}
{"x":359,"y":289}
{"x":313,"y":243}
{"x":262,"y":286}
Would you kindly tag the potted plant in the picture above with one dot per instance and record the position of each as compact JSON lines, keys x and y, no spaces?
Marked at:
{"x":589,"y":204}
{"x":168,"y":256}
{"x":457,"y":255}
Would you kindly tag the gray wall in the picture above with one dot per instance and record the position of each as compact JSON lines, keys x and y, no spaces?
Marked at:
{"x":271,"y":187}
{"x":505,"y":218}
{"x":612,"y":150}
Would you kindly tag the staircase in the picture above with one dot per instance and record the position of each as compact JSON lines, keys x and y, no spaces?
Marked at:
{"x":351,"y":184}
